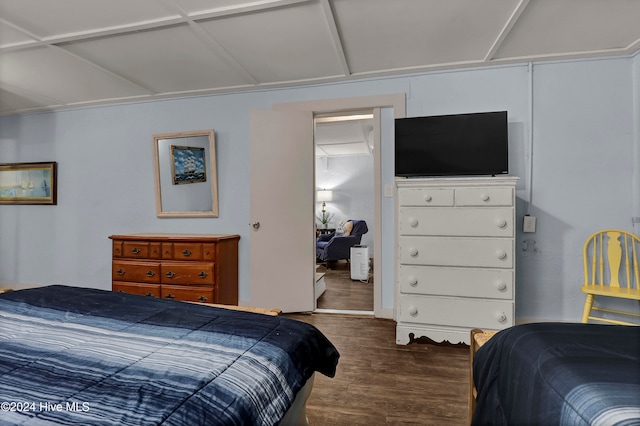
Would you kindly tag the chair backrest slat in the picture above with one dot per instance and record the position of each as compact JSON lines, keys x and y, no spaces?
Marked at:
{"x":614,"y":256}
{"x":627,"y":263}
{"x":636,"y":269}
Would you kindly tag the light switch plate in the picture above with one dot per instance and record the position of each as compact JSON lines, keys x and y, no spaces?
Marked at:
{"x":529,"y":224}
{"x":388,"y":190}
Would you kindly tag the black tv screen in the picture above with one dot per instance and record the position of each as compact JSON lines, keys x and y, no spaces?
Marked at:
{"x":452,"y":145}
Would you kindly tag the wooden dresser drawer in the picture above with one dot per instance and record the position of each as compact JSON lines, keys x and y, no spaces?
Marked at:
{"x":426,"y":197}
{"x":135,"y":271}
{"x":188,"y":293}
{"x":187,"y":273}
{"x":456,"y":312}
{"x":457,"y":251}
{"x":138,"y":250}
{"x":188,"y":251}
{"x":462,"y":282}
{"x":484,"y":197}
{"x":471,"y":222}
{"x":137,"y":288}
{"x":117,"y":248}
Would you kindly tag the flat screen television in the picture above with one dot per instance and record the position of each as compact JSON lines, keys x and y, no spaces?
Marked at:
{"x":452,"y":145}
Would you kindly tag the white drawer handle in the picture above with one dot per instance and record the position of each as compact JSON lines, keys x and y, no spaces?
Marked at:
{"x":501,"y":254}
{"x":485,"y":197}
{"x":501,"y":317}
{"x":413,"y":311}
{"x":501,"y":285}
{"x":413,"y":222}
{"x":501,"y":223}
{"x":428,"y":198}
{"x":413,"y":281}
{"x":413,"y":252}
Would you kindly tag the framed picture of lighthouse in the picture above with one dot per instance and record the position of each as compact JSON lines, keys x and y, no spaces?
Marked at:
{"x":188,"y":164}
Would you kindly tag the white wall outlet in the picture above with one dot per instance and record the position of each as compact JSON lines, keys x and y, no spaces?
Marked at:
{"x":529,"y":224}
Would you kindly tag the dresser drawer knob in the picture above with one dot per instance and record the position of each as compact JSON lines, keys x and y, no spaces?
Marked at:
{"x":485,"y":197}
{"x":170,"y":296}
{"x":413,"y":281}
{"x":203,"y":274}
{"x":428,"y":198}
{"x":501,"y":254}
{"x":501,"y":317}
{"x":413,"y":252}
{"x":501,"y":223}
{"x":202,"y":299}
{"x":413,"y":222}
{"x":170,"y":274}
{"x":413,"y":311}
{"x":135,"y":250}
{"x":186,"y":253}
{"x":120,"y":271}
{"x":501,"y":285}
{"x":150,"y":273}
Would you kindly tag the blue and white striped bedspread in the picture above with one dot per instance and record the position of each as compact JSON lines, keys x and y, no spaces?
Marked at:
{"x":559,"y":374}
{"x":75,"y":356}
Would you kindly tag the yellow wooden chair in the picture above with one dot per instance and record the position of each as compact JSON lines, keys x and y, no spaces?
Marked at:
{"x":611,"y":269}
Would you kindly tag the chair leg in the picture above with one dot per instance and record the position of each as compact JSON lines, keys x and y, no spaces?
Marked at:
{"x":587,"y":308}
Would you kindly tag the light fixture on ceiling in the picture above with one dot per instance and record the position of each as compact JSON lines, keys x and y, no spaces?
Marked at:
{"x":339,"y":118}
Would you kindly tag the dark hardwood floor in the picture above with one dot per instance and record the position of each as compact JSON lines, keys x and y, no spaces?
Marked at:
{"x":342,"y":292}
{"x":380,"y":383}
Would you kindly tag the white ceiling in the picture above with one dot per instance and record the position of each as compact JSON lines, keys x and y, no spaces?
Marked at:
{"x":70,"y":53}
{"x":344,"y":135}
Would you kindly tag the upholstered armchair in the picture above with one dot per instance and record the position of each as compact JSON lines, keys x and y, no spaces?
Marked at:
{"x":331,"y":247}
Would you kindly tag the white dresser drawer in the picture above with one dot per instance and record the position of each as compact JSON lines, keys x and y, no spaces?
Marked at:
{"x":484,"y":196}
{"x":457,"y":312}
{"x":465,"y":282}
{"x":425,"y":197}
{"x":457,"y":251}
{"x":472,"y":222}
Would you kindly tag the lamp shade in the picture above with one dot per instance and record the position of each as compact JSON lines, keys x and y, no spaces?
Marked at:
{"x":324,"y":195}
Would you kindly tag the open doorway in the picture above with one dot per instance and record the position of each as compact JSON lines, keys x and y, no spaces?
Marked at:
{"x":345,"y":211}
{"x":386,"y":108}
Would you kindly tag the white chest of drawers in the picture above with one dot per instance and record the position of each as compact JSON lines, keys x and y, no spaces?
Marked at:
{"x":456,"y":257}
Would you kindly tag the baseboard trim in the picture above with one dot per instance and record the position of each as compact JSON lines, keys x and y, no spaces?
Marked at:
{"x":343,"y":312}
{"x":532,"y":320}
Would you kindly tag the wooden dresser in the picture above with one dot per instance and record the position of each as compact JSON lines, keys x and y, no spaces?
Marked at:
{"x":189,"y":267}
{"x":456,"y":257}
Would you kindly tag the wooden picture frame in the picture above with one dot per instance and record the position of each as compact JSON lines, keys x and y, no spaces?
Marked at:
{"x":28,"y":183}
{"x":184,"y":192}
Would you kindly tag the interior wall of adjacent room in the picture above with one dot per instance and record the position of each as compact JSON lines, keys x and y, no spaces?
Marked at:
{"x":350,"y":177}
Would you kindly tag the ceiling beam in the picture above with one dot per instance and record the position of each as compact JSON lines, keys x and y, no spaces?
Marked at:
{"x":335,"y":36}
{"x":511,"y":22}
{"x":112,"y":73}
{"x":239,"y":9}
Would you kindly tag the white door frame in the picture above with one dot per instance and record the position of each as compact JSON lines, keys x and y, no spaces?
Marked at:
{"x":375,"y":102}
